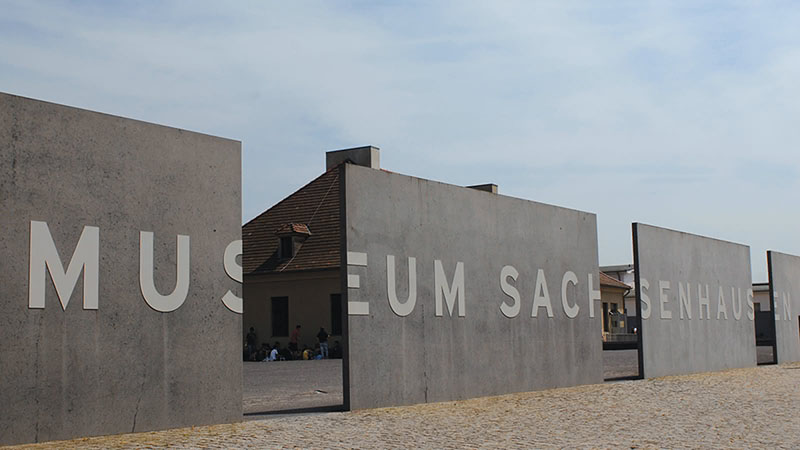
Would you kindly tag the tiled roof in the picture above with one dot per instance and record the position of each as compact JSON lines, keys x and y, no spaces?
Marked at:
{"x":293,"y":228}
{"x":315,"y":206}
{"x":606,"y":280}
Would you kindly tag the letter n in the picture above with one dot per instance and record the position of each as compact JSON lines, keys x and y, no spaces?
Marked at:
{"x":451,"y":293}
{"x":85,"y":258}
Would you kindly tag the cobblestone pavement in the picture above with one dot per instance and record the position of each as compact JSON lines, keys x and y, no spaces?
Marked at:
{"x":744,"y":408}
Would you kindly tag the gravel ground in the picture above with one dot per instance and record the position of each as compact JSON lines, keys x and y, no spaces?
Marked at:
{"x":743,"y":408}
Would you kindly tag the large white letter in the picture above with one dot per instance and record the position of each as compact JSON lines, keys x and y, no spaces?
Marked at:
{"x":457,"y":291}
{"x":402,"y":309}
{"x":645,"y":299}
{"x":234,"y":271}
{"x":43,"y":253}
{"x":721,"y":308}
{"x":703,"y":301}
{"x":594,"y":294}
{"x":511,"y":291}
{"x":751,"y":311}
{"x":570,"y":311}
{"x":686,"y":300}
{"x":663,"y":299}
{"x":737,"y":305}
{"x":173,"y":301}
{"x":541,"y":296}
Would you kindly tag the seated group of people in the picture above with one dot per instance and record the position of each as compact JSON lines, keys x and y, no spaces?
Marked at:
{"x":292,"y":352}
{"x":278,"y":353}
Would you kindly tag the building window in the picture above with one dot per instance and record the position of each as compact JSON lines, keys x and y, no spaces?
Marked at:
{"x":757,"y":307}
{"x":286,"y":249}
{"x":280,"y":316}
{"x":336,"y":314}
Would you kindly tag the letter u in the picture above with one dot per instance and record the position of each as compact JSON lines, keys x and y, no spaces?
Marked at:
{"x":173,"y":301}
{"x":401,"y":309}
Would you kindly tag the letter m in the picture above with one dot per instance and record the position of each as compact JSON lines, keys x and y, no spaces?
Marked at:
{"x":43,"y":254}
{"x":451,"y":293}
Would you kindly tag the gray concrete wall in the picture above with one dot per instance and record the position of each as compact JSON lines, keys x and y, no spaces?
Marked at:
{"x":405,"y":355}
{"x":122,"y":366}
{"x":676,"y":338}
{"x":784,"y":279}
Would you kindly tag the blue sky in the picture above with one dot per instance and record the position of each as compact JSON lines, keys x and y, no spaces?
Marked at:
{"x":677,"y":114}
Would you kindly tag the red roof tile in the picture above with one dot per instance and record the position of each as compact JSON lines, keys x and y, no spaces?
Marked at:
{"x":606,"y":280}
{"x":293,"y":228}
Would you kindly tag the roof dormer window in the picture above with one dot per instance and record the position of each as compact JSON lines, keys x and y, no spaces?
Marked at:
{"x":290,"y":238}
{"x":286,"y":249}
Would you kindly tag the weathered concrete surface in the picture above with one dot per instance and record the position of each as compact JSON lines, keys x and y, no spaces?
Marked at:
{"x":697,"y":339}
{"x":742,"y":408}
{"x":124,"y":366}
{"x":422,"y":357}
{"x":784,"y":280}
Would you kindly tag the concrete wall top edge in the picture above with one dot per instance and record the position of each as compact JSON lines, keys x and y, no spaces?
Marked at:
{"x":4,"y":96}
{"x":777,"y":253}
{"x":468,"y":189}
{"x":640,"y":224}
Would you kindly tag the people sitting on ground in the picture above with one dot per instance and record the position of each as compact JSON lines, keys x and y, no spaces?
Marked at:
{"x":336,"y":351}
{"x":273,"y":354}
{"x":307,"y":354}
{"x":263,"y":352}
{"x":284,"y":353}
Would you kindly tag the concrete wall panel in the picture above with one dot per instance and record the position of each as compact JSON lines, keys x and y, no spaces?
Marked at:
{"x":784,"y":279}
{"x":412,"y":355}
{"x":680,"y":333}
{"x":123,"y":366}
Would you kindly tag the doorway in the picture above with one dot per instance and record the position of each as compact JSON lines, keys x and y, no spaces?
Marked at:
{"x":291,"y":371}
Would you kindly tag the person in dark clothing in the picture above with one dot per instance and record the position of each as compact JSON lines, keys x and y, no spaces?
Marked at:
{"x":322,"y":336}
{"x":251,"y":343}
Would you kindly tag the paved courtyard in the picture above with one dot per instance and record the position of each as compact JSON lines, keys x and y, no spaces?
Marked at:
{"x":743,"y":408}
{"x":620,"y":363}
{"x":273,"y":387}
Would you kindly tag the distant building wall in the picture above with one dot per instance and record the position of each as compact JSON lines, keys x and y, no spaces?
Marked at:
{"x":613,"y":299}
{"x":696,"y":300}
{"x":133,"y":212}
{"x":761,"y":297}
{"x":309,"y":304}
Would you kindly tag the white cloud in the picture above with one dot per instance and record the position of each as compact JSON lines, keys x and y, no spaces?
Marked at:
{"x":681,"y":116}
